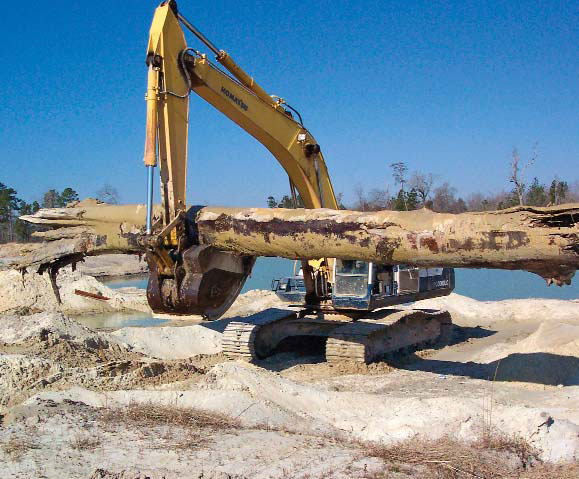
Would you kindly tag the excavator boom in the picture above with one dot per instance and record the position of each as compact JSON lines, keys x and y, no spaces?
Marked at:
{"x":175,"y":70}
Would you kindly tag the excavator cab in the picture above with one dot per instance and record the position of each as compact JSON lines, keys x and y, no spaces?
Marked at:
{"x":367,"y":286}
{"x":362,"y":286}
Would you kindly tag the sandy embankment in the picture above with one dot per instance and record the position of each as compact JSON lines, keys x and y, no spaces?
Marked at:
{"x":56,"y":377}
{"x":31,"y":292}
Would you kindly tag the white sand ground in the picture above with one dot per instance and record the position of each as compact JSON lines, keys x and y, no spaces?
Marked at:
{"x":56,"y":378}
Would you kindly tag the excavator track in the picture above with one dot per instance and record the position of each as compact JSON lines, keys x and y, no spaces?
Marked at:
{"x":240,"y":337}
{"x":368,"y":340}
{"x":365,"y":340}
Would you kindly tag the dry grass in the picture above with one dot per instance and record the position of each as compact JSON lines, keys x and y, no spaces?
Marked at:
{"x":84,"y":442}
{"x":147,"y":415}
{"x":552,"y":471}
{"x":527,"y":454}
{"x":179,"y":427}
{"x":489,"y":458}
{"x":493,"y":456}
{"x":18,"y":447}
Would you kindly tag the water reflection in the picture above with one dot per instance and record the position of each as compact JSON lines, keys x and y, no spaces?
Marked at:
{"x":116,"y":320}
{"x":129,"y":281}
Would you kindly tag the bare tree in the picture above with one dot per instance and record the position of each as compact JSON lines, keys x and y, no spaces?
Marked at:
{"x":445,"y":200}
{"x":573,"y":194}
{"x":378,"y":200}
{"x":375,"y":200}
{"x":477,"y":202}
{"x":361,"y":203}
{"x":422,"y":184}
{"x":108,"y":194}
{"x":518,"y":173}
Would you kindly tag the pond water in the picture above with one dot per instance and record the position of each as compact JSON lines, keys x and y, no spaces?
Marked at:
{"x":480,"y":284}
{"x":483,"y":285}
{"x":118,"y":320}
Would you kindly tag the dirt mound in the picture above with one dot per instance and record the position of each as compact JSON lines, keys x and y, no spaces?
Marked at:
{"x":56,"y":337}
{"x":253,"y":302}
{"x":550,"y":355}
{"x":476,"y":312}
{"x":21,"y":375}
{"x":32,"y":292}
{"x":171,"y":342}
{"x":51,"y":351}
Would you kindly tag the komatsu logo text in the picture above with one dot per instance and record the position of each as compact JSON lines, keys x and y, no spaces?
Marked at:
{"x":234,"y":99}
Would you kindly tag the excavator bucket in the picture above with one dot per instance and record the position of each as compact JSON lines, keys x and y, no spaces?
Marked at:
{"x":205,"y":283}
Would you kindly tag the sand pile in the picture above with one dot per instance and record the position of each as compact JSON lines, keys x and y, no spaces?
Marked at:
{"x":532,"y":340}
{"x":33,"y":293}
{"x":49,"y":350}
{"x":513,"y":310}
{"x":550,"y":355}
{"x":41,"y":326}
{"x":21,"y":375}
{"x":253,"y":302}
{"x":171,"y":342}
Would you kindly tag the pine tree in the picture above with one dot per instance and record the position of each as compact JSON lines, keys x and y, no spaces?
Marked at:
{"x":536,"y":195}
{"x":51,"y":199}
{"x":68,"y":196}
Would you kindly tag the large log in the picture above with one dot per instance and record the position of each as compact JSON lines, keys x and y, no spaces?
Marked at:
{"x":544,"y":241}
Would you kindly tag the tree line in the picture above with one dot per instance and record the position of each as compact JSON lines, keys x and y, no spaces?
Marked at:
{"x":425,"y":190}
{"x":12,"y":207}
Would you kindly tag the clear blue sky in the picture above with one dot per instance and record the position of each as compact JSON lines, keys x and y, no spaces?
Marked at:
{"x":448,"y":87}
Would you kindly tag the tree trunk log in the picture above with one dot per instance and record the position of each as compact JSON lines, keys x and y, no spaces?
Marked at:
{"x":544,"y":241}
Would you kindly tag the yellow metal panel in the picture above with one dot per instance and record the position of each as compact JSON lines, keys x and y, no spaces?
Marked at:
{"x":167,"y":40}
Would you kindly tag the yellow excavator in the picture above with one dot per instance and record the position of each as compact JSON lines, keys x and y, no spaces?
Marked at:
{"x":189,"y":278}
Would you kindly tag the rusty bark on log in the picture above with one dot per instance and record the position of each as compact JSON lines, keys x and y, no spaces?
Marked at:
{"x":541,"y":240}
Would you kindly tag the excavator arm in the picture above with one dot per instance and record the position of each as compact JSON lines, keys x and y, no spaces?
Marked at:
{"x":175,"y":70}
{"x":288,"y":141}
